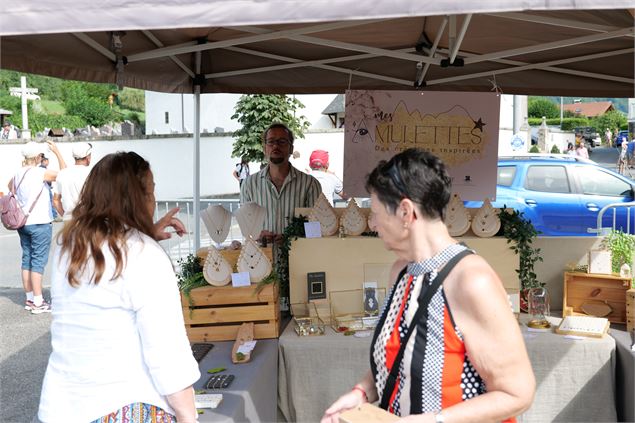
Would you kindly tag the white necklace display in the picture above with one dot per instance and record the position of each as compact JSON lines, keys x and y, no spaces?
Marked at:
{"x":486,"y":222}
{"x":216,"y":270}
{"x":353,"y":219}
{"x":457,"y":218}
{"x":323,"y":212}
{"x":217,"y":220}
{"x":253,"y":261}
{"x":251,"y":219}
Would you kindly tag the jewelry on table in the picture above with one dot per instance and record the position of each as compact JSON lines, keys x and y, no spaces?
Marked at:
{"x":324,"y":213}
{"x":353,"y":219}
{"x":253,"y":261}
{"x":251,"y":219}
{"x":217,"y":220}
{"x":216,"y":270}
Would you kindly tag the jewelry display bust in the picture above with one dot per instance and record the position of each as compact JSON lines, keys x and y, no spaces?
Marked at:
{"x":217,"y":220}
{"x":217,"y":271}
{"x":323,"y":212}
{"x":253,"y":261}
{"x":251,"y":220}
{"x":353,"y":219}
{"x":458,"y":217}
{"x":486,"y":222}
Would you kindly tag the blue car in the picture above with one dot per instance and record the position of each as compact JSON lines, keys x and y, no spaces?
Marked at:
{"x":621,"y":136}
{"x":562,"y":195}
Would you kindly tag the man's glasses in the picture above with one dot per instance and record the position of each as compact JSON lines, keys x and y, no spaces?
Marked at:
{"x":281,"y":142}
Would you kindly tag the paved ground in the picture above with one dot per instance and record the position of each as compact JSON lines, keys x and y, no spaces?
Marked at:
{"x":25,"y":338}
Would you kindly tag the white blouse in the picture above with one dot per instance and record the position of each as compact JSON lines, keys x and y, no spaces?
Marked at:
{"x":118,"y":342}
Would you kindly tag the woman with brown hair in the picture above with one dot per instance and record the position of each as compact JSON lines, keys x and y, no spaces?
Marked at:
{"x":120,"y":352}
{"x":447,"y":347}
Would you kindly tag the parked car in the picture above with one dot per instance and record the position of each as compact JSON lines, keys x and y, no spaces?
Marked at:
{"x":562,"y":195}
{"x":621,"y":136}
{"x":588,"y":134}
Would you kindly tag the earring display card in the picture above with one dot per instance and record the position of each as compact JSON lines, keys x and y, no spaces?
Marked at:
{"x":600,"y":262}
{"x":316,"y":285}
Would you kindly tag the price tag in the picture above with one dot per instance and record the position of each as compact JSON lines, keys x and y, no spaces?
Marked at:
{"x":240,"y":279}
{"x":312,"y":230}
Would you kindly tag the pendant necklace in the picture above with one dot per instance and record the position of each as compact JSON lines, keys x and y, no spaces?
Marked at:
{"x":211,"y":216}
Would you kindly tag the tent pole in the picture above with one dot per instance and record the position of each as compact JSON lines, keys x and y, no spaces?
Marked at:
{"x":196,"y":159}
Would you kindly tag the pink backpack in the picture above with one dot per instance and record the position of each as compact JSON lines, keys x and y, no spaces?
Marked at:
{"x":12,"y":215}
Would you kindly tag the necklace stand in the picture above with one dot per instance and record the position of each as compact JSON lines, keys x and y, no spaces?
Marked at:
{"x":216,"y":270}
{"x":353,"y":221}
{"x":251,"y":220}
{"x":217,"y":220}
{"x":324,"y":213}
{"x":253,"y":261}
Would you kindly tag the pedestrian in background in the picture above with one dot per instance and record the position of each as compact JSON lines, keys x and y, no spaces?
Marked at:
{"x":242,"y":170}
{"x":70,"y":181}
{"x":330,"y":183}
{"x":29,"y":184}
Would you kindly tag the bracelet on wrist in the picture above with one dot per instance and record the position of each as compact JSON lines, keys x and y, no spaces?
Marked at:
{"x":360,"y":389}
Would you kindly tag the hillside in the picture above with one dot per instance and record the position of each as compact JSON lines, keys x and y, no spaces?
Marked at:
{"x":620,"y":104}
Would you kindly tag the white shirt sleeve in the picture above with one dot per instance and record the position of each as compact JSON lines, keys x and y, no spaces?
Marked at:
{"x":155,"y":298}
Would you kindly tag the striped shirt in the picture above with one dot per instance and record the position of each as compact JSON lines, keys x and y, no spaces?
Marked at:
{"x":298,"y":190}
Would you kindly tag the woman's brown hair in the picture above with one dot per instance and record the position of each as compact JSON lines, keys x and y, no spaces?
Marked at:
{"x":113,"y":201}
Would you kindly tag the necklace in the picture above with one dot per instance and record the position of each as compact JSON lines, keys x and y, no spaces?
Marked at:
{"x":251,"y":219}
{"x":216,"y":270}
{"x":217,"y":221}
{"x":323,"y":212}
{"x":353,"y":220}
{"x":253,"y":261}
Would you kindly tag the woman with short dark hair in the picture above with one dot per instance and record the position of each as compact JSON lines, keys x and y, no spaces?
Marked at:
{"x":447,"y":347}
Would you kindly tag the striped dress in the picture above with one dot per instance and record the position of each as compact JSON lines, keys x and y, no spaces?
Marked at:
{"x":298,"y":190}
{"x":435,"y":372}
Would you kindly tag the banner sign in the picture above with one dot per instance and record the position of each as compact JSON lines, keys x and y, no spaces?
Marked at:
{"x":459,"y":127}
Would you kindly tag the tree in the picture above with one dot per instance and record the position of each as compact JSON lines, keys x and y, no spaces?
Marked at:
{"x":88,"y":101}
{"x":538,"y":107}
{"x":255,"y":112}
{"x":611,"y":119}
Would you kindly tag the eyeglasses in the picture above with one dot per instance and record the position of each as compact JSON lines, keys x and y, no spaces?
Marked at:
{"x":281,"y":142}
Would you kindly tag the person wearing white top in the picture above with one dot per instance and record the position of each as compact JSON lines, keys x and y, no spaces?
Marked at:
{"x":70,"y":181}
{"x":118,"y":336}
{"x":331,"y":184}
{"x":29,"y":186}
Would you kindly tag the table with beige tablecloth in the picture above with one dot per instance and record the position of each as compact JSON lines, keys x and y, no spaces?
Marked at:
{"x":575,"y":377}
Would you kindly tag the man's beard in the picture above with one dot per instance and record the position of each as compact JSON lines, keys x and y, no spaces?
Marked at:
{"x":276,"y":160}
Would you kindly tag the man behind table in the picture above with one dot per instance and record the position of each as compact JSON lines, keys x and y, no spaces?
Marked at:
{"x":279,"y":187}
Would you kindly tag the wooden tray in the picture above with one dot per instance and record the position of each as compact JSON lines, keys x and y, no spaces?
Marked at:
{"x":216,"y":312}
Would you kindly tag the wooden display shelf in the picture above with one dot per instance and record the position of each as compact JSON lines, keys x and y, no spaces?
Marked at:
{"x":215,"y":313}
{"x":581,"y":288}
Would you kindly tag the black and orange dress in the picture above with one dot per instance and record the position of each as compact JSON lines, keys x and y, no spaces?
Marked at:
{"x":435,"y":371}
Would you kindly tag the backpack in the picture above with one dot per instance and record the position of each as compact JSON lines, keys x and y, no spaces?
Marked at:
{"x":12,"y":215}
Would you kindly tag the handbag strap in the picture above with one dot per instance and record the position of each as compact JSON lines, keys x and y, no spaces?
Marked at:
{"x":425,"y":295}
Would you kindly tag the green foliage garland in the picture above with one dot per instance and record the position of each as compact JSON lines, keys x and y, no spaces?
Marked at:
{"x":191,"y":275}
{"x":520,"y":233}
{"x":290,"y":233}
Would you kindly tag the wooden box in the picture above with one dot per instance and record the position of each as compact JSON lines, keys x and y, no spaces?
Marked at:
{"x":630,"y":310}
{"x":596,"y":289}
{"x":214,"y":313}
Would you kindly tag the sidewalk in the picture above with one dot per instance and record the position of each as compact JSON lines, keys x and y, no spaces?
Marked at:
{"x":25,"y":345}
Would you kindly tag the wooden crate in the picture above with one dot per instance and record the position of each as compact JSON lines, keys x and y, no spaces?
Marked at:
{"x":595,"y":288}
{"x":630,"y":310}
{"x":216,"y":312}
{"x":232,"y":255}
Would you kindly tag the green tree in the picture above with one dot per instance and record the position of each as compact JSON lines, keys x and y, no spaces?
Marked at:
{"x":255,"y":112}
{"x":88,"y":102}
{"x":133,"y":99}
{"x":611,"y":119}
{"x":538,"y":107}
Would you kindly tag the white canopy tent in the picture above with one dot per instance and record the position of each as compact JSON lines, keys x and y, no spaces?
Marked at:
{"x":559,"y":47}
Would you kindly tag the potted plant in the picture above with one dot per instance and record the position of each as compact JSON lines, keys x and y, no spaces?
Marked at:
{"x":520,"y":233}
{"x":622,"y":246}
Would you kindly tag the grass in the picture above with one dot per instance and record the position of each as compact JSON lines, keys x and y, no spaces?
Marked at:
{"x":52,"y":107}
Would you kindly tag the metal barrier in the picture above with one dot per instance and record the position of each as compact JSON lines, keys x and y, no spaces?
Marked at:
{"x":614,"y":207}
{"x":180,"y":247}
